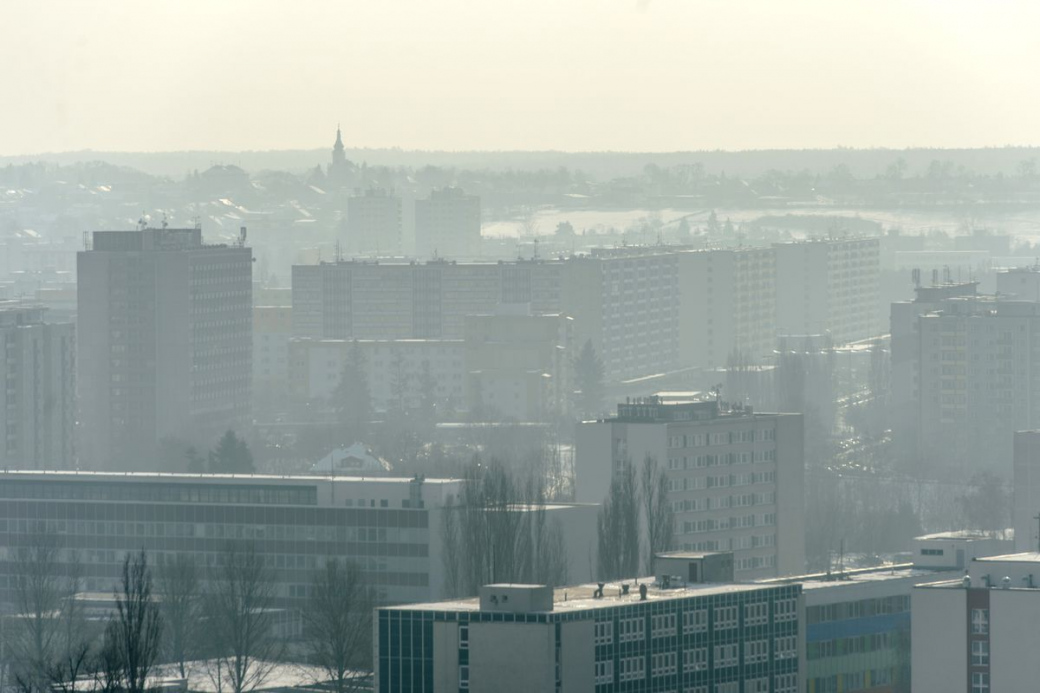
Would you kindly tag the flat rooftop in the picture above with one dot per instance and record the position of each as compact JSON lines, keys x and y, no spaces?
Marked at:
{"x":859,"y":576}
{"x":579,"y":597}
{"x":1025,"y":557}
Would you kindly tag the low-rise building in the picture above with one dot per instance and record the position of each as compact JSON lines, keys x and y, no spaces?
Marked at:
{"x":658,"y":634}
{"x":388,"y":526}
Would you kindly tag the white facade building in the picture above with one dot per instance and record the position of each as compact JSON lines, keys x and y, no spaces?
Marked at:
{"x":975,"y":634}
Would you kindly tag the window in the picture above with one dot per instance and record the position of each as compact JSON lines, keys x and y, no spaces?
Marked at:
{"x":759,"y":685}
{"x":756,"y":651}
{"x":632,"y":629}
{"x":756,"y":614}
{"x":980,"y":621}
{"x":729,"y":687}
{"x":695,"y":621}
{"x":604,"y":632}
{"x":663,"y":664}
{"x":980,"y":653}
{"x":979,"y":682}
{"x":696,"y":689}
{"x":931,"y":552}
{"x":464,"y":676}
{"x":785,"y":683}
{"x":725,"y":617}
{"x":632,"y":669}
{"x":695,"y":659}
{"x":786,"y":647}
{"x":662,"y":625}
{"x":464,"y":636}
{"x":726,"y":655}
{"x":604,"y":672}
{"x":785,"y":610}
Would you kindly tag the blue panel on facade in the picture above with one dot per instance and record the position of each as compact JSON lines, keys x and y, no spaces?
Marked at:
{"x":853,"y":627}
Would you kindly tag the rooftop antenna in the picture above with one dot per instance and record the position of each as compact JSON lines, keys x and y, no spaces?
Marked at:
{"x":198,"y":222}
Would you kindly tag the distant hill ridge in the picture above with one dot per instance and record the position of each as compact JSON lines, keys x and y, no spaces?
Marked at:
{"x":862,"y":163}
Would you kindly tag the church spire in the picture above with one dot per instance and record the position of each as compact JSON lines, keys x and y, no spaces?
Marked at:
{"x":338,"y":155}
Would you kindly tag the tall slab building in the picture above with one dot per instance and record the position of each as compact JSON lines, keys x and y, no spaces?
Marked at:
{"x":165,"y":343}
{"x":38,"y":398}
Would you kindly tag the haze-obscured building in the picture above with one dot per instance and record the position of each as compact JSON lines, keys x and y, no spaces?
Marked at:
{"x":374,"y":223}
{"x":38,"y":374}
{"x":447,"y":224}
{"x":735,"y":475}
{"x":164,"y":340}
{"x":829,"y":285}
{"x":728,"y":306}
{"x":978,"y":368}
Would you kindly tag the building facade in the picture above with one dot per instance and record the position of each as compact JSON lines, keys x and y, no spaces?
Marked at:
{"x":735,"y":476}
{"x":447,"y":224}
{"x":729,"y":638}
{"x":389,"y":526}
{"x":374,"y":223}
{"x":829,"y":285}
{"x":1026,"y":490}
{"x":399,"y":300}
{"x":728,"y":306}
{"x":978,"y":365}
{"x":37,"y":370}
{"x":972,"y":634}
{"x":400,"y":372}
{"x":164,"y":343}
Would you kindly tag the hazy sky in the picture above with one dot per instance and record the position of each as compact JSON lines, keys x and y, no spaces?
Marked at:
{"x":657,"y":75}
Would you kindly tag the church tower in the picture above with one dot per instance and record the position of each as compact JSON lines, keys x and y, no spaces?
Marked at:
{"x":338,"y":157}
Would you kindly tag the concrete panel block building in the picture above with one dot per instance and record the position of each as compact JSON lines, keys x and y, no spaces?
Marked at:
{"x":735,"y":475}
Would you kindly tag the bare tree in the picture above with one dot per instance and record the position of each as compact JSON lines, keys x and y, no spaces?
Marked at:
{"x":657,"y":511}
{"x":136,"y":629}
{"x":178,"y":586}
{"x":451,"y":549}
{"x":48,"y":630}
{"x":337,"y":621}
{"x":618,"y":527}
{"x":240,"y":621}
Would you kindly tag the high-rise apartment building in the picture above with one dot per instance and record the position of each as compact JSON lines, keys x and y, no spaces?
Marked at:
{"x":448,"y":224}
{"x":829,"y":285}
{"x":626,"y":301}
{"x":399,"y":300}
{"x":374,"y":223}
{"x":735,"y":476}
{"x":37,"y":372}
{"x":672,"y":633}
{"x":164,"y":343}
{"x":728,"y":306}
{"x":977,"y":362}
{"x":906,"y":361}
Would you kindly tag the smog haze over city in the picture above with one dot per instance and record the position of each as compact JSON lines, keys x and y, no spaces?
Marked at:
{"x":631,"y":345}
